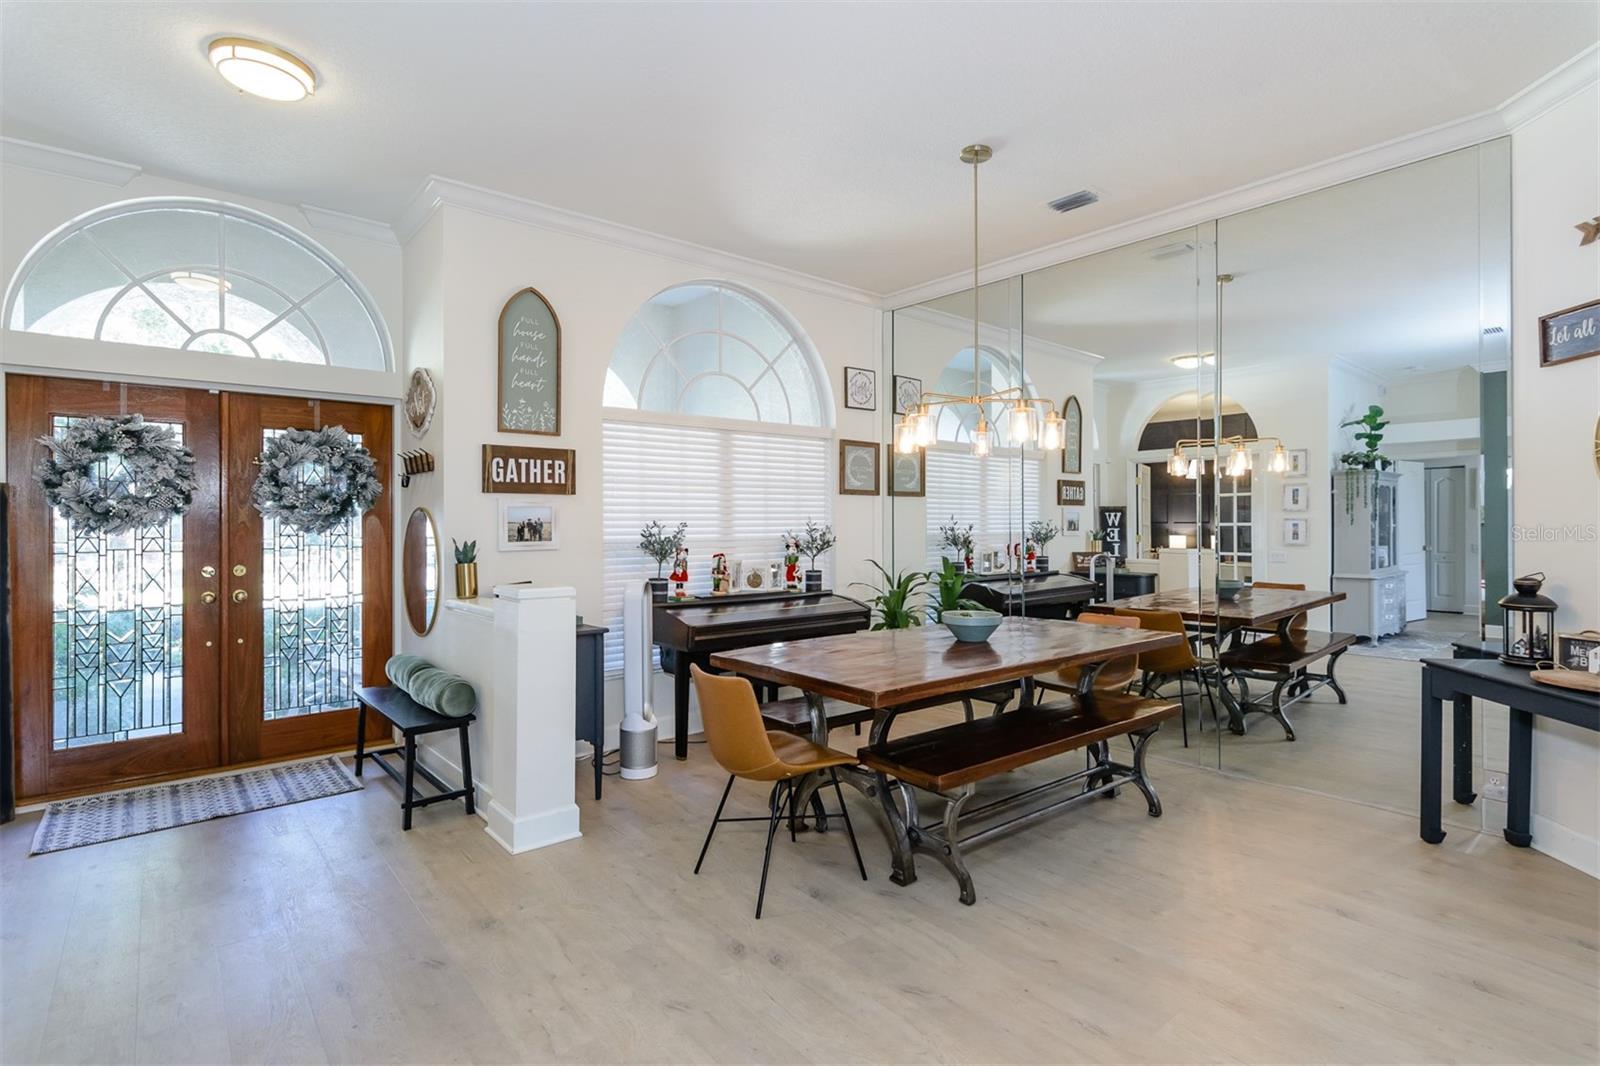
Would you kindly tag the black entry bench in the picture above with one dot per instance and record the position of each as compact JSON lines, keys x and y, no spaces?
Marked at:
{"x":413,"y":720}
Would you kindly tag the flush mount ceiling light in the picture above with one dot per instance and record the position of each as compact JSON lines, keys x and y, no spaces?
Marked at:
{"x":1189,"y":362}
{"x":193,"y":279}
{"x":261,"y":69}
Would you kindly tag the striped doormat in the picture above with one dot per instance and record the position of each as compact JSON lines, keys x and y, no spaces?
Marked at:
{"x":95,"y":819}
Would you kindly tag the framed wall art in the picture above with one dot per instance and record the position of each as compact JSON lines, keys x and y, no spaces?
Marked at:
{"x":908,"y":474}
{"x":906,"y":393}
{"x":526,"y":525}
{"x":1296,"y":496}
{"x":1071,"y":493}
{"x":1570,"y":334}
{"x":1299,"y":462}
{"x":1295,"y":533}
{"x":1072,"y":449}
{"x":529,"y":396}
{"x":860,"y":388}
{"x":858,"y":468}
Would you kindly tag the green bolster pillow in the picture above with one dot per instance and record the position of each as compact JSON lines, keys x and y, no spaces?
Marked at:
{"x":401,"y":667}
{"x":443,"y":692}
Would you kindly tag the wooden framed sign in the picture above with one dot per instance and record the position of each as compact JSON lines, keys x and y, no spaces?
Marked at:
{"x":1071,"y":493}
{"x":542,"y":471}
{"x":1570,"y":334}
{"x":1072,"y":447}
{"x":530,"y":366}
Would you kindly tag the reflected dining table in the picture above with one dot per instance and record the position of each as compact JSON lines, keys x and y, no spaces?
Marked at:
{"x":1252,"y":608}
{"x":892,"y":671}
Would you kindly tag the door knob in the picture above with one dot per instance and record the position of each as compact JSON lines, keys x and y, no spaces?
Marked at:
{"x":208,"y":571}
{"x":239,"y":570}
{"x":240,"y":595}
{"x":208,"y":596}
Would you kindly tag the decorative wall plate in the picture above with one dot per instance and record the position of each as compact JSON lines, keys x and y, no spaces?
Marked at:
{"x":421,"y":399}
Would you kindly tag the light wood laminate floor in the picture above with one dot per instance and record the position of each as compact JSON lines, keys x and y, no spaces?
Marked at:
{"x":1251,"y":923}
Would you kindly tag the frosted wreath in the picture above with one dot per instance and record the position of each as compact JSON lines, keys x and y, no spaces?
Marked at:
{"x":313,"y":480}
{"x":112,"y":475}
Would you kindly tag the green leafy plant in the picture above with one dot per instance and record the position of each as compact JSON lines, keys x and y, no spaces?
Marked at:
{"x":892,"y":600}
{"x":1042,"y":532}
{"x":465,"y":553}
{"x":1361,"y":465}
{"x":957,"y":537}
{"x":816,"y":540}
{"x":660,"y":545}
{"x":947,"y":583}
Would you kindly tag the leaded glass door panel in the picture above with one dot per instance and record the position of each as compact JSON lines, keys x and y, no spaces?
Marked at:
{"x":116,"y":650}
{"x":307,"y":614}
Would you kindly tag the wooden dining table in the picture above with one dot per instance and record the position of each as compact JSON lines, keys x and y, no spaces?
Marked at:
{"x":1252,"y":608}
{"x":890,"y":671}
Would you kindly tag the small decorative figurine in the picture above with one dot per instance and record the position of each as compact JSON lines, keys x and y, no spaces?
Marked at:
{"x":720,"y":580}
{"x":791,"y":564}
{"x":1033,"y":558}
{"x":774,"y":575}
{"x":680,"y":575}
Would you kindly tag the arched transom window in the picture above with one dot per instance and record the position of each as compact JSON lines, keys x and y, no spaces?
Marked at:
{"x":996,"y":371}
{"x":707,"y":349}
{"x":198,"y":275}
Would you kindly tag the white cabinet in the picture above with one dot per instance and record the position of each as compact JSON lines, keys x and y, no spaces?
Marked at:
{"x":1366,"y":554}
{"x":1374,"y":604}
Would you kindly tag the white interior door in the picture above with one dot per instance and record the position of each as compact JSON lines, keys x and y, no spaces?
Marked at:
{"x":1410,"y":552}
{"x":1446,"y":532}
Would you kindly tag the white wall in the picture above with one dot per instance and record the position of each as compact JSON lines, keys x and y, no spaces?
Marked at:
{"x":1555,"y":183}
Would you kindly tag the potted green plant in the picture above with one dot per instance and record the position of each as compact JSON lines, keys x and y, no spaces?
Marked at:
{"x":662,"y":546}
{"x":1096,"y":539}
{"x":892,"y":600}
{"x":1360,"y":466}
{"x":466,"y":569}
{"x":1040,"y":534}
{"x":958,"y":538}
{"x":947,"y":583}
{"x":813,"y":543}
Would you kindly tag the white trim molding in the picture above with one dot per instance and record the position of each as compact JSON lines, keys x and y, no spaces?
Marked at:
{"x":1555,"y":88}
{"x":438,"y":191}
{"x":321,"y":218}
{"x":51,"y":160}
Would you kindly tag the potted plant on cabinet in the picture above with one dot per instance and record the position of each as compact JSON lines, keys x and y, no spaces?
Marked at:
{"x":662,"y":546}
{"x":466,"y":569}
{"x":891,"y":601}
{"x":1040,"y":534}
{"x":1360,"y":466}
{"x":958,"y":538}
{"x":813,"y":543}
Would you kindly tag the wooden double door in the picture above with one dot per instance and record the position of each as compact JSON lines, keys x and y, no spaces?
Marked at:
{"x":218,"y":639}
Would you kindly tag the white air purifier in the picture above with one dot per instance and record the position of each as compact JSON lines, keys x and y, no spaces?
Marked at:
{"x":638,"y":731}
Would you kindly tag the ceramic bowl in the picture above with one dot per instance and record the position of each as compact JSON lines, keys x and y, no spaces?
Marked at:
{"x":1229,"y":590}
{"x":972,"y":627}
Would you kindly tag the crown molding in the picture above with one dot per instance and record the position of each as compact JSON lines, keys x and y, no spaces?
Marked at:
{"x":1361,"y":373}
{"x":438,"y":191}
{"x":321,"y":218}
{"x":1555,"y":88}
{"x":1000,"y":338}
{"x":43,"y":157}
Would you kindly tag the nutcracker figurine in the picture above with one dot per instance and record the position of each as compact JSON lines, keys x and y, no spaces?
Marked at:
{"x":720,"y":580}
{"x":1033,"y":557}
{"x":791,"y":564}
{"x":680,"y":575}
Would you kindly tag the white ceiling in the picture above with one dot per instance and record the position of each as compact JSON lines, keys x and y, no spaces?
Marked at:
{"x":817,"y":137}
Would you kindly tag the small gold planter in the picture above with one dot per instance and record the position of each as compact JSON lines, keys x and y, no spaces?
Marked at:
{"x":466,"y":581}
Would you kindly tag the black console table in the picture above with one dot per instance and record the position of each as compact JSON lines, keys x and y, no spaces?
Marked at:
{"x":592,"y":693}
{"x":1458,"y":680}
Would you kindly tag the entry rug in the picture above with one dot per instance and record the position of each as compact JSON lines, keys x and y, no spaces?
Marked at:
{"x":96,"y":819}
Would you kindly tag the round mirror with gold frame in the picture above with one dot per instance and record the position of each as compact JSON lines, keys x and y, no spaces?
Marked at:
{"x":419,"y":571}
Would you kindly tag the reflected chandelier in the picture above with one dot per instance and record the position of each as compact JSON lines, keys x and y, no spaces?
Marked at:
{"x":916,"y":428}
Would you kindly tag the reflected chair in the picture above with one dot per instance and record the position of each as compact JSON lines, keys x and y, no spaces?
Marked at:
{"x":1178,"y":662}
{"x":1113,"y":676}
{"x":743,"y":746}
{"x":1297,"y":623}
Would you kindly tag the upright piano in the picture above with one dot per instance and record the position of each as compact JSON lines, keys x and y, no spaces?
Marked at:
{"x":1046,"y":595}
{"x":690,"y":630}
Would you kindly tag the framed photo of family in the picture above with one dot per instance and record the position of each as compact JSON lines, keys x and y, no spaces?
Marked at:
{"x":526,"y":525}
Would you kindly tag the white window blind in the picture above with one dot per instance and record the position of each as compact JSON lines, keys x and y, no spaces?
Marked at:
{"x":984,"y":493}
{"x":739,"y":491}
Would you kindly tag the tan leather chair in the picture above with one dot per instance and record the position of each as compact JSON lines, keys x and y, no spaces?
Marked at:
{"x":1113,"y":676}
{"x":1179,"y":661}
{"x":1299,"y":621}
{"x":743,"y":746}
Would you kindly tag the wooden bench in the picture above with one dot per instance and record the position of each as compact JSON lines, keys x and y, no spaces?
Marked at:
{"x":1286,"y":664}
{"x":412,"y":720}
{"x":793,"y":715}
{"x":950,"y":762}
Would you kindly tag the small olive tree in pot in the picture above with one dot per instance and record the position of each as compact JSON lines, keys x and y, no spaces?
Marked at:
{"x":814,"y":542}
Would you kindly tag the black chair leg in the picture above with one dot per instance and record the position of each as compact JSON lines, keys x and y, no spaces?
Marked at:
{"x":361,"y":736}
{"x":411,"y":781}
{"x":466,"y":773}
{"x":714,"y":820}
{"x":1183,"y":711}
{"x":849,"y":829}
{"x":777,"y":807}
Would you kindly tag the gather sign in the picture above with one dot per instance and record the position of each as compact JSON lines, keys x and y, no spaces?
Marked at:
{"x":545,"y":471}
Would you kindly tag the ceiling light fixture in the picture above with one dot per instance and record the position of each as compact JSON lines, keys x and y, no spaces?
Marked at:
{"x":261,"y":69}
{"x":916,"y":428}
{"x":1189,"y":362}
{"x":193,"y":279}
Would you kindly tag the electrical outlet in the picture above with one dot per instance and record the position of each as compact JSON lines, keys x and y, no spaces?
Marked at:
{"x":1494,"y":786}
{"x":1277,"y":557}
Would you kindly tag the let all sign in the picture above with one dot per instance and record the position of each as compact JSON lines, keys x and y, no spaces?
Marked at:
{"x":542,"y":471}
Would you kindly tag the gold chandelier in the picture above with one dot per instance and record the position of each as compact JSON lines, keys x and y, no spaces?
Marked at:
{"x":1239,"y":463}
{"x":917,"y":427}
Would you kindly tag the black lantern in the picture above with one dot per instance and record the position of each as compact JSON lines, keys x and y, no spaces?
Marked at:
{"x":1528,"y":631}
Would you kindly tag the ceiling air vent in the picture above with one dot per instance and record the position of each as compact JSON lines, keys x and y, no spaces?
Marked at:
{"x":1073,"y":201}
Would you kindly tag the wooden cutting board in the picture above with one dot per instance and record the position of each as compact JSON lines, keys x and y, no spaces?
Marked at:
{"x":1579,"y":680}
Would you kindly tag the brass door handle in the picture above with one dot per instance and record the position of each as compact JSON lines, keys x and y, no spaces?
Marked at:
{"x":240,"y":595}
{"x":208,"y":596}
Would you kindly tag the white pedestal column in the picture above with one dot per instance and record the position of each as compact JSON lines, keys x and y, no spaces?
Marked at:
{"x":533,"y":718}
